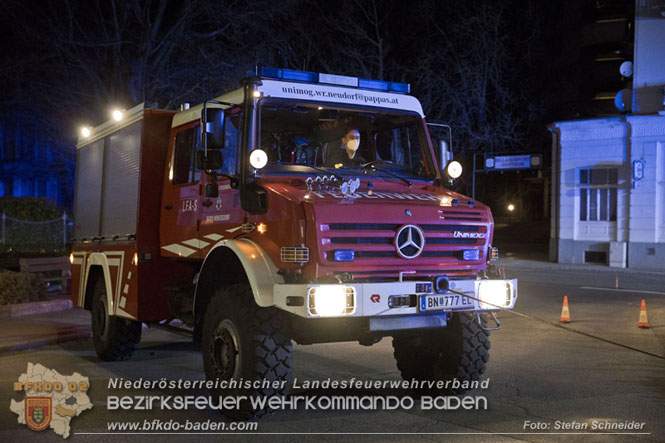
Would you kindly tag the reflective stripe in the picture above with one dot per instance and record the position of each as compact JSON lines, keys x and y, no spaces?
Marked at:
{"x":179,"y":250}
{"x":196,"y":243}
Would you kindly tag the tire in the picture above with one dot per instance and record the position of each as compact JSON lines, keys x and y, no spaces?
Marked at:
{"x":458,"y":351}
{"x":244,"y":341}
{"x":114,"y":338}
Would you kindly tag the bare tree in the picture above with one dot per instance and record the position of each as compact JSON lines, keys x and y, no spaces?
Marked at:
{"x":465,"y":60}
{"x":471,"y":77}
{"x":85,"y":57}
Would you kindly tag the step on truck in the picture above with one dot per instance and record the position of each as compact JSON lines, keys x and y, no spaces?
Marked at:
{"x":300,"y":207}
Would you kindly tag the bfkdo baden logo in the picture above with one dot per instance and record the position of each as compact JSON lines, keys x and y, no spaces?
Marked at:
{"x":38,"y":412}
{"x":51,"y":399}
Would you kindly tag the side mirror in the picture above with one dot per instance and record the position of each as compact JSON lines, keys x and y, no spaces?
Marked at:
{"x":211,"y":162}
{"x":212,"y":128}
{"x":445,"y":156}
{"x":212,"y":190}
{"x":254,"y":198}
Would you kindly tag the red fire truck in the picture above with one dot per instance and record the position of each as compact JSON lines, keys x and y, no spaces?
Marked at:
{"x":253,"y":219}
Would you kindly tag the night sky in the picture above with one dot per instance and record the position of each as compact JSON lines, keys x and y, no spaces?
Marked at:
{"x":497,"y":71}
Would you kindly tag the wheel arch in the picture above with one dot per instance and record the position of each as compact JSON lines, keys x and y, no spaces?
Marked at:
{"x":235,"y":261}
{"x":97,"y":267}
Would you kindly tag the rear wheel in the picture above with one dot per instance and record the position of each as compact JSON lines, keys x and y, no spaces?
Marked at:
{"x":242,"y":341}
{"x":114,"y":338}
{"x":458,"y":351}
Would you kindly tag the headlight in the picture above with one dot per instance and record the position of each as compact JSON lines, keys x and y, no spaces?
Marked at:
{"x":258,"y":159}
{"x":494,"y":293}
{"x":331,"y":300}
{"x":454,"y":169}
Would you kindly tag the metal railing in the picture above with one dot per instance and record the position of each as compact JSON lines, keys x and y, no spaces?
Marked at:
{"x":34,"y":236}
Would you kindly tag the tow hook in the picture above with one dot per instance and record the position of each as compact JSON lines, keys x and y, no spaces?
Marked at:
{"x":487,"y":328}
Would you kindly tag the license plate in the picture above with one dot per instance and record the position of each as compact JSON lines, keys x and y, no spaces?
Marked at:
{"x":438,"y":302}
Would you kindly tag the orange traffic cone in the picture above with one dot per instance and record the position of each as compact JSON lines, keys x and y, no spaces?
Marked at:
{"x":643,"y":322}
{"x":565,"y":313}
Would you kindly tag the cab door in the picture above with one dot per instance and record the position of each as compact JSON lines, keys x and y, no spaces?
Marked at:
{"x":181,"y":199}
{"x":222,"y":217}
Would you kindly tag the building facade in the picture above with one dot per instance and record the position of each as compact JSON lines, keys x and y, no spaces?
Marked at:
{"x":608,"y":193}
{"x":34,"y":164}
{"x":609,"y":198}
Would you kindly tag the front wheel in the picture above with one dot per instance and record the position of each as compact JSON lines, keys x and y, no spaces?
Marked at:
{"x":244,"y":342}
{"x":458,"y":351}
{"x":114,"y":338}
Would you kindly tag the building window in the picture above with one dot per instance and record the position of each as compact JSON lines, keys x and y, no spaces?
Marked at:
{"x":598,"y":194}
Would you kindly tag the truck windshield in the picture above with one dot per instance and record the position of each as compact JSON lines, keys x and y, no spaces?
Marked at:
{"x":323,"y":136}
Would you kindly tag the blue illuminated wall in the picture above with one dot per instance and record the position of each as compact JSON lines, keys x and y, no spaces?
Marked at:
{"x":34,"y":164}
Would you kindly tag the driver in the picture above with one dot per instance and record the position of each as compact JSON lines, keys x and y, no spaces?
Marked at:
{"x":344,"y":153}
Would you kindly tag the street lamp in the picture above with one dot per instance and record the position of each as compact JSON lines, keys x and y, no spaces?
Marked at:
{"x":511,"y":207}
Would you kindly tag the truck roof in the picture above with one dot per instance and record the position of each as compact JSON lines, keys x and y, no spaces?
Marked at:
{"x":194,"y":113}
{"x":315,"y":92}
{"x":276,"y":88}
{"x":128,"y":117}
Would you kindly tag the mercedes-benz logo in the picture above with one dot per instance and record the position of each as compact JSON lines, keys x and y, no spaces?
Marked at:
{"x":409,"y":241}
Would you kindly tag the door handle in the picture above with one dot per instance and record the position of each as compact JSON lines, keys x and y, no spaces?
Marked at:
{"x":168,"y":207}
{"x":207,"y":203}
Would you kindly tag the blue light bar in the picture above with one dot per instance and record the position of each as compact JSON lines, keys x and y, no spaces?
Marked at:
{"x":404,"y":88}
{"x":284,"y":74}
{"x":377,"y":85}
{"x":313,"y":77}
{"x":345,"y":255}
{"x":300,"y":76}
{"x":471,"y":254}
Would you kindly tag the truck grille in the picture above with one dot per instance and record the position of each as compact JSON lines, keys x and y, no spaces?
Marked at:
{"x":373,"y":244}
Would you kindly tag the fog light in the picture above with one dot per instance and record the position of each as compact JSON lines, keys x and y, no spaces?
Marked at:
{"x":471,"y":254}
{"x":331,"y":300}
{"x":345,"y":255}
{"x":494,"y":293}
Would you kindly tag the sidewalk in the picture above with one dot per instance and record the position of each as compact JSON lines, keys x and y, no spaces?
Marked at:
{"x":523,"y":263}
{"x":32,"y":331}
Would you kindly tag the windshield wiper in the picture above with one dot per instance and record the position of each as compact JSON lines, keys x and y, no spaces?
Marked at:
{"x":373,"y":164}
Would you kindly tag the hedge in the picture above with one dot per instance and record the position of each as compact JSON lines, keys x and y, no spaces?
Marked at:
{"x":29,"y":208}
{"x":21,"y":287}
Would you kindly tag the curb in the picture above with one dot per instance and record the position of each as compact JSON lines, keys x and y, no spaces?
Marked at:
{"x":73,"y":334}
{"x":40,"y":307}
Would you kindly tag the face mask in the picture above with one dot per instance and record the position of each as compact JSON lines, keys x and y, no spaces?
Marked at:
{"x":352,"y":145}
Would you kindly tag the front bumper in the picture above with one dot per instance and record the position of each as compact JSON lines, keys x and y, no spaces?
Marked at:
{"x":389,"y":298}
